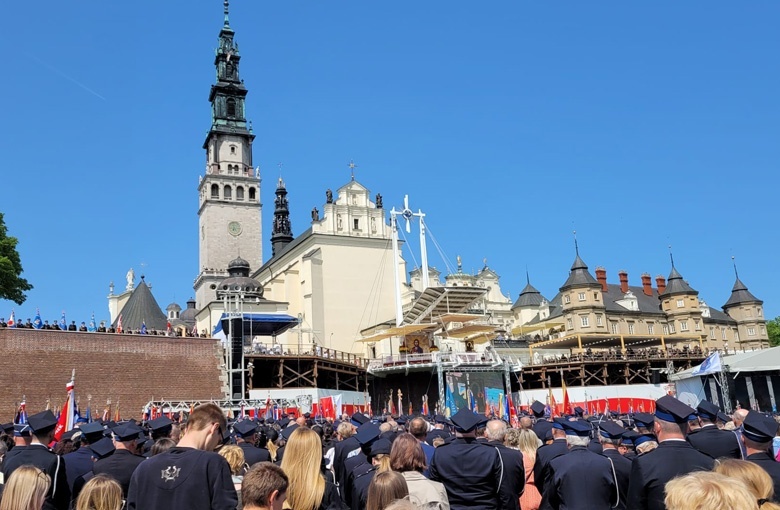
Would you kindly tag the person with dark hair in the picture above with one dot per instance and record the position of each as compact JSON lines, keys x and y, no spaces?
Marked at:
{"x":189,"y":475}
{"x":246,"y":435}
{"x":162,"y":445}
{"x":264,"y":487}
{"x":38,"y":454}
{"x":709,"y":439}
{"x":122,"y":464}
{"x":407,"y":457}
{"x":758,"y":431}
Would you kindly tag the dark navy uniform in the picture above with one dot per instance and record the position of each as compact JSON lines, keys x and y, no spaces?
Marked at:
{"x":513,"y":479}
{"x":340,"y":452}
{"x":471,"y":473}
{"x":580,"y":480}
{"x":651,"y":471}
{"x":120,"y":466}
{"x":544,"y":455}
{"x":38,"y":455}
{"x":253,"y":454}
{"x":715,"y":442}
{"x":360,"y":483}
{"x":622,"y":472}
{"x":436,"y":433}
{"x":770,"y":465}
{"x":79,"y":463}
{"x":542,"y":428}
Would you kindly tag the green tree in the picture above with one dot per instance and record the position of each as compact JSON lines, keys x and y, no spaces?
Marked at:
{"x":12,"y":285}
{"x":773,"y":330}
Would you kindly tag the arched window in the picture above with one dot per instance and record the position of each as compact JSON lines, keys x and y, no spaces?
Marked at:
{"x":251,"y":193}
{"x":228,"y":193}
{"x":214,"y":191}
{"x":239,"y":193}
{"x":231,"y":107}
{"x":232,"y":149}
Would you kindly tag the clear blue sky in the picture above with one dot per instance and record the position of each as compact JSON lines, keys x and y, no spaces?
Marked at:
{"x":509,"y":123}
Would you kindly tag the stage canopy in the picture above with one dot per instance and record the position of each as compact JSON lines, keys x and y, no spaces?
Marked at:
{"x":258,"y":324}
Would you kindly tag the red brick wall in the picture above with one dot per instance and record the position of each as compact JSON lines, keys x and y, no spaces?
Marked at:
{"x":129,"y":369}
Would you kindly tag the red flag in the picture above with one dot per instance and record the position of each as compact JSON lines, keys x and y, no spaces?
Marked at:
{"x":65,"y":422}
{"x":566,"y":403}
{"x":327,"y":409}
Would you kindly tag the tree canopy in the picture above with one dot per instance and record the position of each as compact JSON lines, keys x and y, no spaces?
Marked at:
{"x":773,"y":330}
{"x":12,"y":285}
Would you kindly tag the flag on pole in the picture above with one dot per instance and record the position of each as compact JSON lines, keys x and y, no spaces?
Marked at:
{"x":107,"y":411}
{"x":63,"y":323}
{"x":327,"y":409}
{"x":566,"y":402}
{"x":168,"y":329}
{"x":21,"y":414}
{"x":269,"y":412}
{"x":92,"y":327}
{"x":117,"y":416}
{"x":143,"y":327}
{"x":66,"y":420}
{"x":195,"y":330}
{"x":37,"y":322}
{"x":711,"y":365}
{"x":119,"y":324}
{"x":12,"y":320}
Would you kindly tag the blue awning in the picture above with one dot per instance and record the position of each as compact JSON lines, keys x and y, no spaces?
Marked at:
{"x":257,"y":324}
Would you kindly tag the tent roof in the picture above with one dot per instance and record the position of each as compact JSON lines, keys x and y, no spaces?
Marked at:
{"x":761,"y":360}
{"x":259,"y":324}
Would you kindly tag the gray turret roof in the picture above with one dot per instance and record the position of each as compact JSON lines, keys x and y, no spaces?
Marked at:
{"x":141,"y":307}
{"x":579,"y":276}
{"x":529,"y":296}
{"x":676,"y":285}
{"x":740,"y":294}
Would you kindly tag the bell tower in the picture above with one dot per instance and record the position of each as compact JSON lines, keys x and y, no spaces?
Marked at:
{"x":229,"y":212}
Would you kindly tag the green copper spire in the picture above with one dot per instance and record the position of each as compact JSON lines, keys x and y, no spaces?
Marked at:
{"x":227,"y":8}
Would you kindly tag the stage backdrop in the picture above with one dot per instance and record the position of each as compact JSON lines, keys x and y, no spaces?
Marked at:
{"x":480,"y":391}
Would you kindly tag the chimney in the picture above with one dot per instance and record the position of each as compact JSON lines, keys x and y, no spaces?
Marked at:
{"x":660,"y":282}
{"x":601,"y":276}
{"x":623,"y":275}
{"x":647,"y":284}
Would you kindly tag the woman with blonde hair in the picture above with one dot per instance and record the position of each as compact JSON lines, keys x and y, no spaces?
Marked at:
{"x":301,"y":462}
{"x":527,"y":442}
{"x":386,"y":488}
{"x":101,"y":492}
{"x":234,"y":455}
{"x":25,"y":489}
{"x":705,"y":490}
{"x":754,"y":477}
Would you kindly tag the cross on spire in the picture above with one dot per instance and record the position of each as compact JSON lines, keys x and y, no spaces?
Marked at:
{"x":671,"y":255}
{"x":576,"y":246}
{"x":733,"y":261}
{"x":352,"y":167}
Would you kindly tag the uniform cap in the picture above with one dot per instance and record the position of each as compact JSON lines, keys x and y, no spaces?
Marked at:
{"x":127,"y":431}
{"x":707,"y":410}
{"x":160,"y":423}
{"x":557,"y":423}
{"x":576,"y":428}
{"x":758,"y":427}
{"x":284,"y":422}
{"x":401,"y":420}
{"x":725,"y":418}
{"x":465,"y":420}
{"x":103,"y":448}
{"x":578,"y":411}
{"x":629,"y":436}
{"x":42,"y":422}
{"x":71,"y":435}
{"x":440,"y":418}
{"x":287,"y":432}
{"x":611,"y":430}
{"x":92,"y":429}
{"x":367,"y":432}
{"x":22,"y":430}
{"x":8,"y":428}
{"x":537,"y":408}
{"x":668,"y":408}
{"x":643,"y":438}
{"x":245,"y":428}
{"x":644,"y":419}
{"x":381,"y":446}
{"x":358,"y":419}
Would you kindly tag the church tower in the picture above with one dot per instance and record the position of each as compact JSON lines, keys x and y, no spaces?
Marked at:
{"x":281,"y":235}
{"x":229,"y":213}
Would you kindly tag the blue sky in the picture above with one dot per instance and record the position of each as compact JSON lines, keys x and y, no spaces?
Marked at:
{"x":509,"y":123}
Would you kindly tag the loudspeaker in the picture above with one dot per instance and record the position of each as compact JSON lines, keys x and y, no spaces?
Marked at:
{"x":656,"y":377}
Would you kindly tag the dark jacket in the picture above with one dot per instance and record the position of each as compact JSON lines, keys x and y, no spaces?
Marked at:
{"x":471,"y":473}
{"x":580,"y":480}
{"x":58,"y":497}
{"x":716,"y":443}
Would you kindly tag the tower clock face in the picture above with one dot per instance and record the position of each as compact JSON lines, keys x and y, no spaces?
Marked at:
{"x":234,"y":228}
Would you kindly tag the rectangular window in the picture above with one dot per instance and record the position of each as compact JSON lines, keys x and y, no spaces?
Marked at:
{"x":566,"y":299}
{"x":614,"y":328}
{"x":357,"y":224}
{"x":569,"y":323}
{"x":697,"y":325}
{"x":680,"y":303}
{"x":581,"y":296}
{"x":712,"y":332}
{"x":666,"y":329}
{"x":599,"y":321}
{"x":649,"y":328}
{"x":595,"y":296}
{"x":723,"y":333}
{"x":671,"y":328}
{"x":751,"y":331}
{"x":630,"y":328}
{"x":585,"y":321}
{"x":763,"y":330}
{"x":683,"y":325}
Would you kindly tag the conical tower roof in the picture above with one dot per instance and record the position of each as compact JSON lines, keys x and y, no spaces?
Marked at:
{"x":579,"y":276}
{"x":529,"y":296}
{"x":141,"y":307}
{"x":676,"y":285}
{"x":740,"y":294}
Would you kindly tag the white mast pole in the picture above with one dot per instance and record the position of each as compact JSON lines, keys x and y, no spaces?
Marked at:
{"x":423,"y":251}
{"x":398,"y":307}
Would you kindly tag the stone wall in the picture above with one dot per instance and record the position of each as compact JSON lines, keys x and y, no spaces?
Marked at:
{"x":129,"y":369}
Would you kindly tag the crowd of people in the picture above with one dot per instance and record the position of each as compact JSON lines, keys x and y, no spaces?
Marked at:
{"x":103,"y":328}
{"x":677,"y":458}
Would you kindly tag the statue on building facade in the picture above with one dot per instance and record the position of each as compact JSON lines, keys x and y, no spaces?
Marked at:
{"x":328,"y":196}
{"x":378,"y":200}
{"x":130,"y":279}
{"x":315,"y":214}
